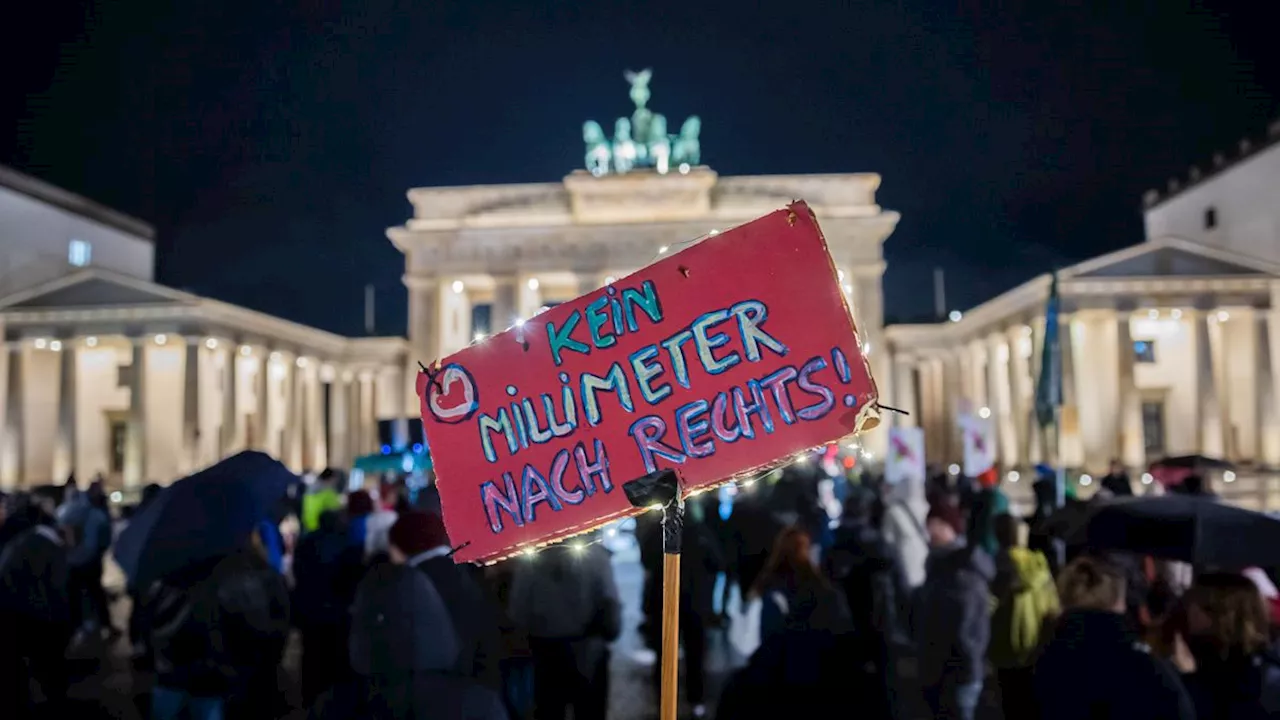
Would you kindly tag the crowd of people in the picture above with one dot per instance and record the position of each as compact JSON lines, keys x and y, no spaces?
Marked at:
{"x":986,"y":608}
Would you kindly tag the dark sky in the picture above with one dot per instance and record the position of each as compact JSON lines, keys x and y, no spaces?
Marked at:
{"x":271,"y":147}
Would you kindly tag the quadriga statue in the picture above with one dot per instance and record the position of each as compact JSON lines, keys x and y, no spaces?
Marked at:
{"x":599,"y":154}
{"x":659,"y":143}
{"x":687,"y":150}
{"x":624,"y":148}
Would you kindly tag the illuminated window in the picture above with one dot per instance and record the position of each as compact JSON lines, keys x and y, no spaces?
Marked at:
{"x":1144,"y":351}
{"x":79,"y":253}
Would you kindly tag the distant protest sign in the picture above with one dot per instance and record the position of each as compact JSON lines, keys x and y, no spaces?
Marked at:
{"x":719,"y":361}
{"x":905,"y":462}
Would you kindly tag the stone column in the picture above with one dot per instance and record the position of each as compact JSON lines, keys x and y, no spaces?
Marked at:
{"x":1068,"y":446}
{"x":1037,"y":450}
{"x":135,"y":451}
{"x":1021,"y":389}
{"x":947,"y":385}
{"x":262,"y":387}
{"x":1268,"y":447}
{"x":191,"y":405}
{"x":64,"y":459}
{"x":1132,"y":444}
{"x":528,"y":296}
{"x":1212,"y":431}
{"x":904,"y":393}
{"x":319,"y":442}
{"x":505,"y":308}
{"x":339,"y":395}
{"x":933,"y":408}
{"x":230,"y":407}
{"x":1000,"y":397}
{"x":291,"y":453}
{"x":13,"y":464}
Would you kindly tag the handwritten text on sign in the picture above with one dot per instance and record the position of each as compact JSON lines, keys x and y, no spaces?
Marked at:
{"x":719,"y":361}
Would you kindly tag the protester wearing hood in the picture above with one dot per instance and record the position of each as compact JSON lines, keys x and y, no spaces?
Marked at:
{"x":953,"y":626}
{"x":418,"y":540}
{"x":1236,"y":675}
{"x":989,"y":502}
{"x":359,"y":508}
{"x":1116,"y":481}
{"x":1094,"y":666}
{"x":405,"y":654}
{"x":35,"y":614}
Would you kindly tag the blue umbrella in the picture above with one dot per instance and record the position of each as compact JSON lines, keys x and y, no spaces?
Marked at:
{"x":201,"y":517}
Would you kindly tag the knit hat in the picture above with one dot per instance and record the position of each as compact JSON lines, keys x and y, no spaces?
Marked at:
{"x":416,"y":532}
{"x":359,"y":503}
{"x":949,"y":514}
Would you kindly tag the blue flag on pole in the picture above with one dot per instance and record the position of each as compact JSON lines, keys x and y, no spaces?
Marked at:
{"x":1049,"y":383}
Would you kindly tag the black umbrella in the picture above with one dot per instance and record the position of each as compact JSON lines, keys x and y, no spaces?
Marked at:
{"x":1196,"y":530}
{"x":1192,"y":462}
{"x":201,"y":517}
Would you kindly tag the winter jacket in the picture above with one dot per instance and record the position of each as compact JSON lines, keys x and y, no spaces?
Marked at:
{"x":1095,"y":668}
{"x":953,"y":616}
{"x":474,"y":619}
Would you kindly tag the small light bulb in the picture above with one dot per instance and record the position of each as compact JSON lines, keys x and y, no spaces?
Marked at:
{"x":55,"y":345}
{"x":1147,"y":479}
{"x":245,"y":350}
{"x":663,"y":250}
{"x":1086,"y":480}
{"x":211,"y":343}
{"x":458,"y":287}
{"x":41,"y":343}
{"x":1223,"y":316}
{"x":610,"y":280}
{"x":1153,"y":314}
{"x":955,"y":316}
{"x":953,"y":469}
{"x":1013,"y":476}
{"x":91,"y":341}
{"x":477,"y":337}
{"x":984,"y":412}
{"x":1176,"y":314}
{"x":161,"y":339}
{"x":1228,"y":476}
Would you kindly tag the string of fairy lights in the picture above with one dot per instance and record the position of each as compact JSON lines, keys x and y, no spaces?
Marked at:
{"x":578,"y":545}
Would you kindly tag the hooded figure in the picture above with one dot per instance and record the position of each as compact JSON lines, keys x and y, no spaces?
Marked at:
{"x":404,"y":652}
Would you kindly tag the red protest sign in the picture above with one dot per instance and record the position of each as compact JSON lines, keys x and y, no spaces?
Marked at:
{"x":719,"y":361}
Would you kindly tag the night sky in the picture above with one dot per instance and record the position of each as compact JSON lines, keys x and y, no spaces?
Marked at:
{"x":272,"y":147}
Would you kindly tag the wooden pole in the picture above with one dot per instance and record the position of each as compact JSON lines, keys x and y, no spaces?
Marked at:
{"x":670,"y":635}
{"x":672,"y":537}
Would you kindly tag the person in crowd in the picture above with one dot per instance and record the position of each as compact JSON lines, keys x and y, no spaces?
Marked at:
{"x":567,"y":601}
{"x":953,"y":617}
{"x":405,"y":655}
{"x":1234,"y":673}
{"x":90,"y":525}
{"x":378,"y":526}
{"x":1116,"y":481}
{"x":700,"y":563}
{"x":359,"y":507}
{"x":419,"y":540}
{"x":1026,"y":605}
{"x":1045,"y":491}
{"x":323,"y":497}
{"x":326,"y":570}
{"x":905,"y":509}
{"x":989,"y":502}
{"x":1094,"y":666}
{"x":801,"y":667}
{"x":36,"y":619}
{"x":516,"y":661}
{"x":217,"y":631}
{"x":865,"y":568}
{"x":752,"y":530}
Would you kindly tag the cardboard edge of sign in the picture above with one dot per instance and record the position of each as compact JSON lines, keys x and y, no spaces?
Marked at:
{"x":867,"y":417}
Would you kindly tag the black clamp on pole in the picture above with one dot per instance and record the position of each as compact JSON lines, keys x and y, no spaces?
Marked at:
{"x":661,"y":488}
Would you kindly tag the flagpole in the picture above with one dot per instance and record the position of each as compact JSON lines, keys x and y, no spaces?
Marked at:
{"x":1060,"y":477}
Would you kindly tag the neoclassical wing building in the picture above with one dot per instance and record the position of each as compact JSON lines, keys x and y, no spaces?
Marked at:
{"x":1169,"y":347}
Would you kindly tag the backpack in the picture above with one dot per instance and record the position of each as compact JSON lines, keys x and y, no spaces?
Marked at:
{"x":1018,"y":623}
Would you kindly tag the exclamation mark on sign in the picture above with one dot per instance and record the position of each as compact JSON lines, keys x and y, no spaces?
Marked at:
{"x":842,"y":369}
